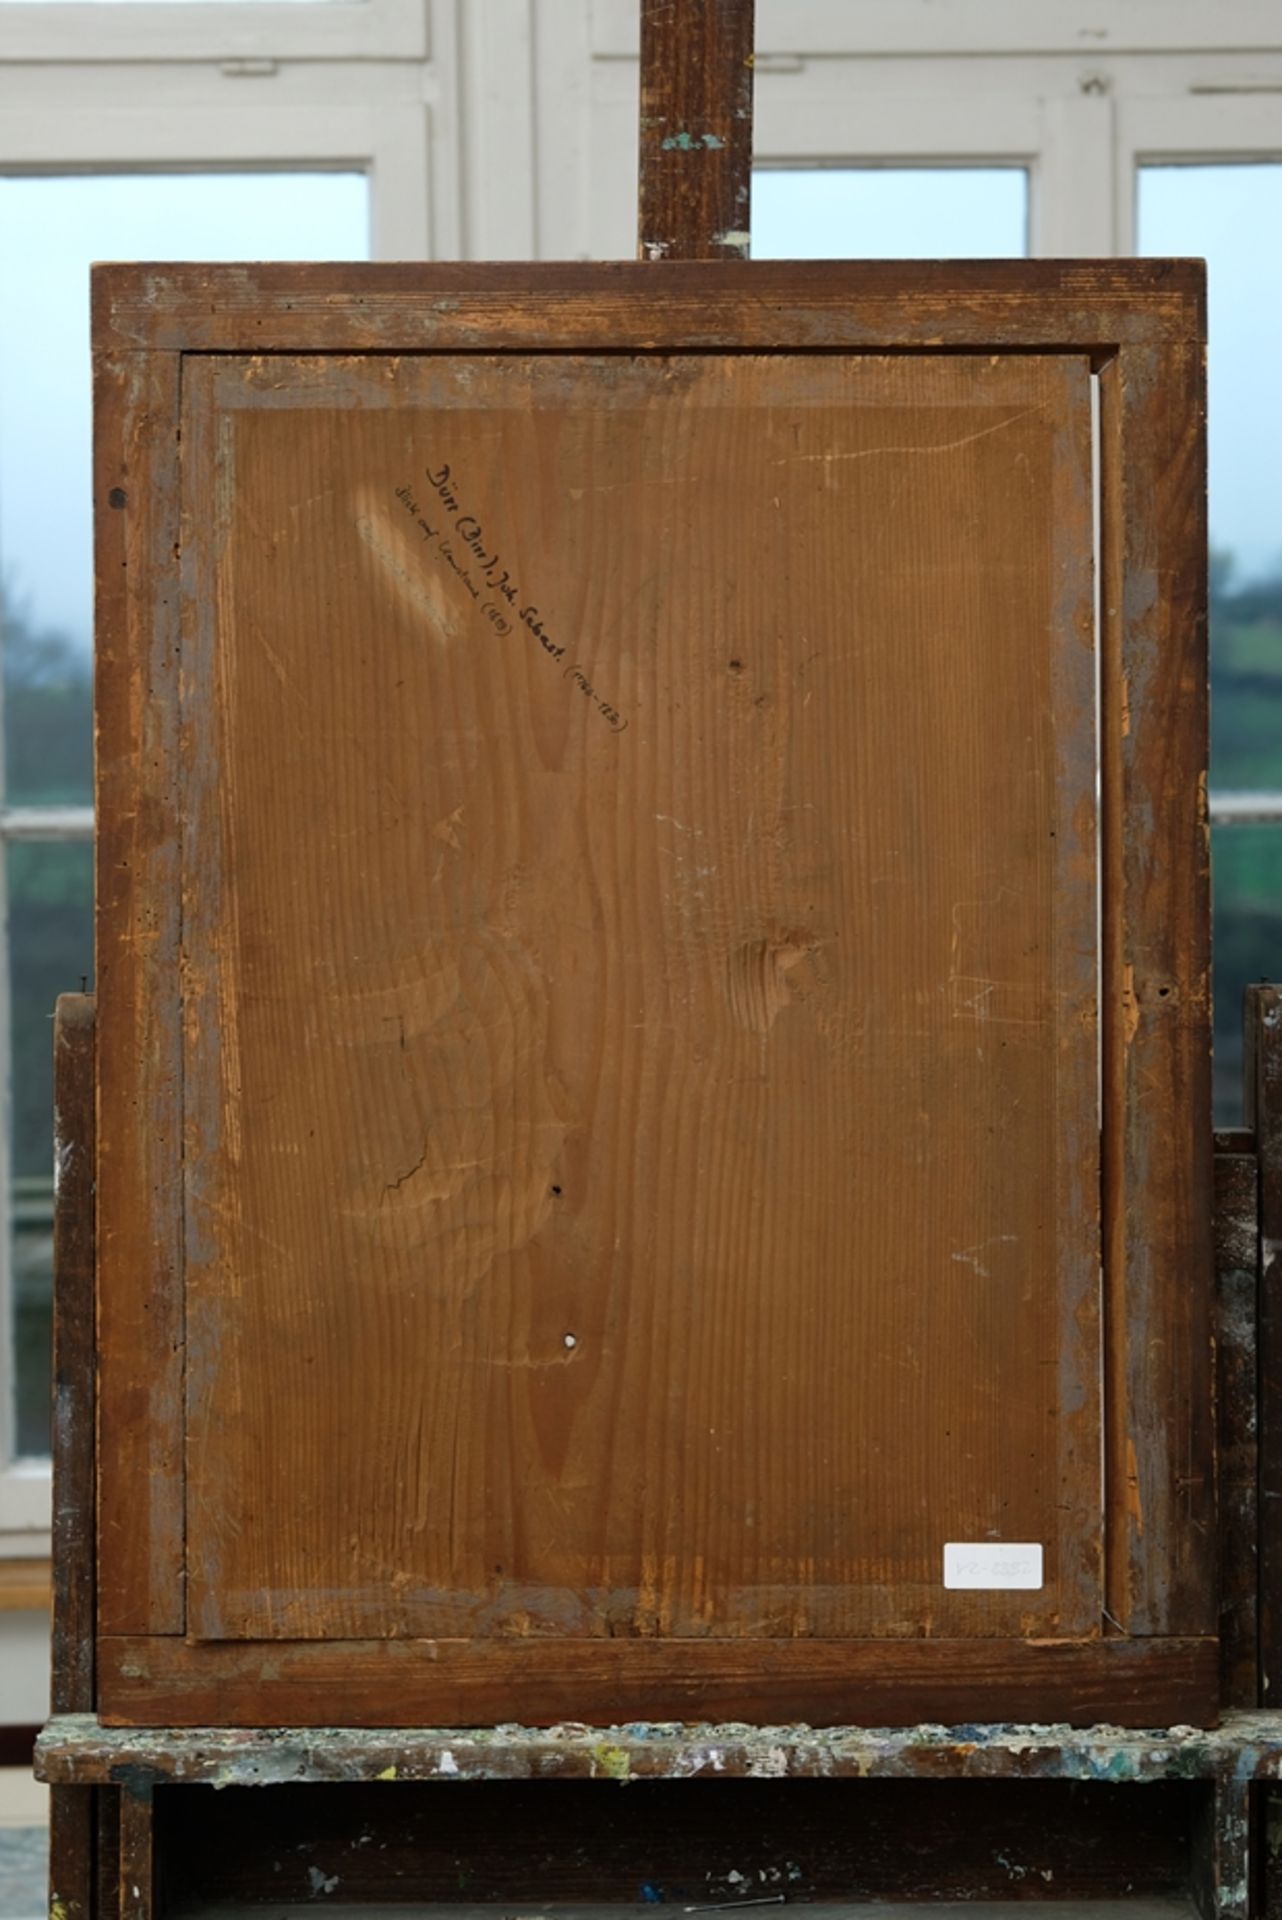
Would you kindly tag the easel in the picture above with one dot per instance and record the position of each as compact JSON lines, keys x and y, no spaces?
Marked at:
{"x":695,"y":167}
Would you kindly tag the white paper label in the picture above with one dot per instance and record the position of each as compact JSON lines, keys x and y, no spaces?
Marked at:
{"x":993,"y":1564}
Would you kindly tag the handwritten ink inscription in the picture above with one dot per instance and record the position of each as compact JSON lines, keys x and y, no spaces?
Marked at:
{"x":460,"y":542}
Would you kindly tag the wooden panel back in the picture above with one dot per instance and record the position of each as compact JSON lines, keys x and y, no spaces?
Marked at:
{"x":641,"y":967}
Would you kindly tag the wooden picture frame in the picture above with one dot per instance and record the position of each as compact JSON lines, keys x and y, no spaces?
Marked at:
{"x":1129,"y":338}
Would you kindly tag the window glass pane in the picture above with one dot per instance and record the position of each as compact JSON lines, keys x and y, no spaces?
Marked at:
{"x":50,"y":887}
{"x":889,"y":213}
{"x":48,"y":709}
{"x":1225,"y":214}
{"x":55,"y":226}
{"x":1248,"y":943}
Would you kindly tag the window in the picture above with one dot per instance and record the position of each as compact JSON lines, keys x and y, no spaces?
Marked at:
{"x":889,"y":213}
{"x":56,"y":225}
{"x":1224,"y":212}
{"x":212,"y":29}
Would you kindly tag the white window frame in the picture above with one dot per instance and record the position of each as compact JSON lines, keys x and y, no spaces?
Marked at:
{"x":942,"y":28}
{"x":1234,"y":124}
{"x":828,"y":129}
{"x":1069,"y":89}
{"x":833,"y":114}
{"x":388,"y":140}
{"x":217,"y":30}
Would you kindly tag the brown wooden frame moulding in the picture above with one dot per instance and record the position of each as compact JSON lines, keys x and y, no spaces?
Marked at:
{"x":1141,"y":324}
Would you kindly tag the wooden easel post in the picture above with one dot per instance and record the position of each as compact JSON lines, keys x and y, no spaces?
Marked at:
{"x":1236,"y":1223}
{"x":696,"y":129}
{"x":73,"y":1813}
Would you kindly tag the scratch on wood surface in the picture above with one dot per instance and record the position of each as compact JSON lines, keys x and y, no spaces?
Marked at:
{"x":971,"y":1256}
{"x":236,"y":1216}
{"x":274,"y":660}
{"x":943,"y":446}
{"x":536,"y":1363}
{"x":999,"y":1003}
{"x":636,"y":484}
{"x":394,"y":1186}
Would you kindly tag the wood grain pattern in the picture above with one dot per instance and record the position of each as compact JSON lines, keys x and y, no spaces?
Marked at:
{"x":1052,"y":305}
{"x":1225,"y":1855}
{"x":107,"y":1850}
{"x":138,"y":881}
{"x":137,"y":1853}
{"x":161,"y":1681}
{"x":72,"y":1869}
{"x":641,"y":1145}
{"x":1162,"y":1546}
{"x":696,"y":129}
